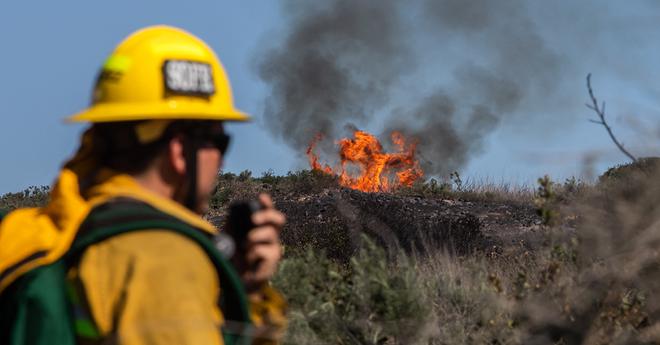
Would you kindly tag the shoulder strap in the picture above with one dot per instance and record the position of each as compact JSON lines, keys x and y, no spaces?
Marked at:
{"x":125,"y":215}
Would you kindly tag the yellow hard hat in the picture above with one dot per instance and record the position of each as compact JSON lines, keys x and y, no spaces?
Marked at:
{"x":161,"y":73}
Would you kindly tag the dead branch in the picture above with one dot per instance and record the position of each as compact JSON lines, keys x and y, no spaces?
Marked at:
{"x":600,"y":111}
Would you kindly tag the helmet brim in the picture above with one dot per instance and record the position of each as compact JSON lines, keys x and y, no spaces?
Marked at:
{"x":137,"y":112}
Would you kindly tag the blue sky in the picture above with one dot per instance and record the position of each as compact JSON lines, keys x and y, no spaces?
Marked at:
{"x":52,"y":50}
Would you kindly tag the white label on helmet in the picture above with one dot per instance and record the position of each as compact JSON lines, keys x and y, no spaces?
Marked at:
{"x":188,"y":77}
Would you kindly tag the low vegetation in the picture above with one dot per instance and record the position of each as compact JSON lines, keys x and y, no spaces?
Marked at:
{"x":590,"y":276}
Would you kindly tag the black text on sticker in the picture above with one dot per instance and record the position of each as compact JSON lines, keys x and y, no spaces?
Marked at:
{"x":188,"y":77}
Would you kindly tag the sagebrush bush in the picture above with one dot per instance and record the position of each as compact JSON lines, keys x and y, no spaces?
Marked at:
{"x":368,"y":301}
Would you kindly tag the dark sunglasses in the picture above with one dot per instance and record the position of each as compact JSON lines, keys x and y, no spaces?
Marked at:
{"x":219,"y":141}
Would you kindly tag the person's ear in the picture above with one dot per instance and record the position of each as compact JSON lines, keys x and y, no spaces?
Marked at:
{"x":176,"y":155}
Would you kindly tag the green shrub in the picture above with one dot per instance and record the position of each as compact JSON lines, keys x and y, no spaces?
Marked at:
{"x":368,"y":301}
{"x":269,"y":177}
{"x":545,"y":201}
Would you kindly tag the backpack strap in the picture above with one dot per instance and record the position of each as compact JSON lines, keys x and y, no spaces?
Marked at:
{"x":124,"y":215}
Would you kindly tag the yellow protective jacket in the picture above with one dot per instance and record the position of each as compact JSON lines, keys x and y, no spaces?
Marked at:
{"x":157,"y":287}
{"x":151,"y":286}
{"x":148,"y":287}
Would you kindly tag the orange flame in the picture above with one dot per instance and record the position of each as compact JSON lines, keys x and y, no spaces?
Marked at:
{"x":379,"y":171}
{"x":314,"y":159}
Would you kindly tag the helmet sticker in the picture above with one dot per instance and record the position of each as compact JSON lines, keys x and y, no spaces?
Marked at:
{"x":188,"y":78}
{"x":117,"y":63}
{"x":113,"y":68}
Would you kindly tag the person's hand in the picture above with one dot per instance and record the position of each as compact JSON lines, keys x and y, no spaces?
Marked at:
{"x":263,"y":248}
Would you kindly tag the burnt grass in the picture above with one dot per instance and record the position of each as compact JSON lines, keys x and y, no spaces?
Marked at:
{"x":324,"y":216}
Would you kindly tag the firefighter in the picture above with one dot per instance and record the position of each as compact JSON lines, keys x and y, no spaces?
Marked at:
{"x":155,"y":147}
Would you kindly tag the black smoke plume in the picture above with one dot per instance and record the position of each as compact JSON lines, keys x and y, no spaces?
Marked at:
{"x":352,"y":62}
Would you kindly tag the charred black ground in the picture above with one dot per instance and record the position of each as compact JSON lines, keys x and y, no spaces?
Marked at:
{"x":327,"y":217}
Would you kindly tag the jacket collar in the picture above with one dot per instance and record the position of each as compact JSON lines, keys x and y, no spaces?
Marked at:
{"x":115,"y":185}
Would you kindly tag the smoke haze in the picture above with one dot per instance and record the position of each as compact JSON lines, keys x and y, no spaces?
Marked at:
{"x":347,"y":62}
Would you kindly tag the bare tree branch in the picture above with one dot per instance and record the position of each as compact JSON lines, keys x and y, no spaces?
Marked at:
{"x":600,"y":111}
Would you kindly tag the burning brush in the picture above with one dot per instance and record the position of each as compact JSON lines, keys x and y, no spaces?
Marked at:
{"x":377,"y":171}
